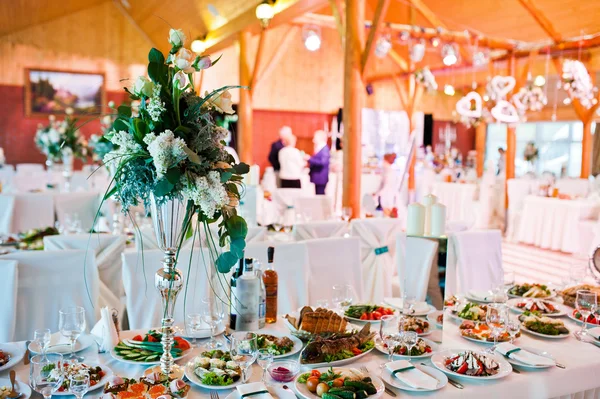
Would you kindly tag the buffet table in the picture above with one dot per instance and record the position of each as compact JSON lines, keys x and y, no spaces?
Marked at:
{"x":581,"y":360}
{"x":459,"y":199}
{"x":553,"y":223}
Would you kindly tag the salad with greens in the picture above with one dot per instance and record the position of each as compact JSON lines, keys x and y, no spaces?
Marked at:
{"x":216,"y":368}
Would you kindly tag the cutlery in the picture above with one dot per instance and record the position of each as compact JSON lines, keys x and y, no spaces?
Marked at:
{"x":516,"y":371}
{"x":286,"y":388}
{"x":214,"y":395}
{"x":455,"y":384}
{"x":27,"y":355}
{"x":560,"y":365}
{"x":13,"y":394}
{"x":387,"y":390}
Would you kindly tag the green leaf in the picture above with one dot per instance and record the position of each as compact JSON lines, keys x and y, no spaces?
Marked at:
{"x":120,"y":124}
{"x":241,"y":168}
{"x":217,"y":60}
{"x":110,"y":193}
{"x":131,"y":95}
{"x":173,"y":175}
{"x":163,"y":187}
{"x":225,"y":176}
{"x":232,"y":188}
{"x":156,"y":56}
{"x":237,"y":247}
{"x":226,"y":261}
{"x":140,"y":130}
{"x":237,"y":227}
{"x":192,"y":156}
{"x":158,"y":73}
{"x":124,"y":111}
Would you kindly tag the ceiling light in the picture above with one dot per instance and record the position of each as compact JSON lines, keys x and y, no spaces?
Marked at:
{"x":417,"y":51}
{"x":567,"y":101}
{"x":198,"y":46}
{"x":449,"y":90}
{"x":435,"y":41}
{"x":312,"y":37}
{"x":265,"y":13}
{"x":449,"y":54}
{"x":383,"y":46}
{"x":404,"y":36}
{"x":539,"y":81}
{"x":480,"y":58}
{"x":486,"y":97}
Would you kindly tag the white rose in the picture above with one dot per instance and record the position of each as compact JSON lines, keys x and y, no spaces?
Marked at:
{"x":223,"y":102}
{"x":184,"y":59}
{"x":143,"y":86}
{"x":53,"y":136}
{"x":69,"y":111}
{"x":176,"y":37}
{"x":181,"y":80}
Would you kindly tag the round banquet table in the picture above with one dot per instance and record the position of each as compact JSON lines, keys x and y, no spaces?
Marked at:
{"x":580,"y":376}
{"x":459,"y":199}
{"x":553,"y":223}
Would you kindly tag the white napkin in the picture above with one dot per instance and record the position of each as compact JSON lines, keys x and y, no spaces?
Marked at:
{"x":412,"y":377}
{"x":419,"y":307}
{"x":106,"y":331}
{"x":522,"y":355}
{"x":594,"y":332}
{"x":251,"y":388}
{"x":481,"y":295}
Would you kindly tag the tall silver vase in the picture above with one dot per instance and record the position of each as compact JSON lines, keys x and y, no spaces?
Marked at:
{"x":168,"y":219}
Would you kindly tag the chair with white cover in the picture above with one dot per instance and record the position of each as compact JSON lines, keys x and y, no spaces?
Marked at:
{"x":83,"y":205}
{"x":377,"y":251}
{"x":324,"y":229}
{"x":292,"y":266}
{"x":518,"y":190}
{"x":314,"y":208}
{"x":30,"y":167}
{"x":22,"y":212}
{"x":49,"y":281}
{"x":8,"y":308}
{"x":30,"y":180}
{"x":334,"y":261}
{"x":415,"y":257}
{"x":144,"y":309}
{"x":474,"y":261}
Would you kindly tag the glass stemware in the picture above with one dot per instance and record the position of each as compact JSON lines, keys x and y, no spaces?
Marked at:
{"x":586,"y":303}
{"x":408,"y":304}
{"x":71,"y":323}
{"x":194,"y":325}
{"x":244,"y":350}
{"x":213,"y":312}
{"x":264,"y":360}
{"x":42,"y":338}
{"x":343,"y":296}
{"x":513,"y":327}
{"x":79,"y":384}
{"x":496,"y":319}
{"x":45,"y":373}
{"x":391,"y":341}
{"x":409,"y":338}
{"x":388,"y":331}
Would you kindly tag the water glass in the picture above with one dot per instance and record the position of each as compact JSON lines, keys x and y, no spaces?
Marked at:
{"x":79,"y":384}
{"x":509,"y":279}
{"x":244,"y":350}
{"x":193,"y":322}
{"x":346,"y":213}
{"x":42,"y":338}
{"x":264,"y":360}
{"x":408,"y":304}
{"x":343,"y":295}
{"x":586,"y":303}
{"x":322,"y":303}
{"x":391,"y":341}
{"x":45,"y":373}
{"x":577,"y":274}
{"x":496,"y":319}
{"x":513,"y":327}
{"x":409,"y":338}
{"x":71,"y":323}
{"x":213,"y":312}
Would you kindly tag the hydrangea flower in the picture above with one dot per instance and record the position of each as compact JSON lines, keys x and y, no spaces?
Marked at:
{"x":156,"y":106}
{"x":207,"y":192}
{"x":166,"y":150}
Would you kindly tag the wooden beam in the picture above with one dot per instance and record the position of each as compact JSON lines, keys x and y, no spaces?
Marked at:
{"x":353,"y":103}
{"x":133,"y":22}
{"x":541,"y":19}
{"x":257,"y":60}
{"x":380,"y":12}
{"x":398,"y":60}
{"x":401,"y":89}
{"x":339,"y":24}
{"x":509,"y":158}
{"x":480,"y":140}
{"x":245,"y":104}
{"x":280,"y":50}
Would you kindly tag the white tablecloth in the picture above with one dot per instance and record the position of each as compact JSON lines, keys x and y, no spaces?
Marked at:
{"x":552,"y":223}
{"x":581,"y":360}
{"x":459,"y":200}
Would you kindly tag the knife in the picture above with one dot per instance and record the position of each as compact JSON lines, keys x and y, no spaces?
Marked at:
{"x":390,"y":392}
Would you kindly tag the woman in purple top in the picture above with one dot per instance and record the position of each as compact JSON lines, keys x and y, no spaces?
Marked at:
{"x":319,"y":162}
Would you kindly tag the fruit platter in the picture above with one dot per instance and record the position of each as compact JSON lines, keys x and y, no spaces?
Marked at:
{"x":330,"y":383}
{"x":147,"y":349}
{"x":367,"y":312}
{"x":338,"y":348}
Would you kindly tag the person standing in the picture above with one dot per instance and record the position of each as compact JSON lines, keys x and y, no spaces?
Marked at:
{"x":291,"y":164}
{"x":501,"y":161}
{"x":389,"y":188}
{"x":319,"y":162}
{"x":284,"y":132}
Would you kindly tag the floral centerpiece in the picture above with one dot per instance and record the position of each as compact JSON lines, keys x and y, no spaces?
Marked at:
{"x":53,"y":139}
{"x":170,"y":157}
{"x":99,"y":145}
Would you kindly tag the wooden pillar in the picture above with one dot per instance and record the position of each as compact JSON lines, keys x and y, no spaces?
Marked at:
{"x":353,"y":103}
{"x":511,"y":140}
{"x":586,"y":149}
{"x":411,"y":111}
{"x":480,"y":137}
{"x":245,"y":104}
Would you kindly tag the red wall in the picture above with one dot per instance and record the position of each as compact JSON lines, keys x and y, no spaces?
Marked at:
{"x":465,"y":136}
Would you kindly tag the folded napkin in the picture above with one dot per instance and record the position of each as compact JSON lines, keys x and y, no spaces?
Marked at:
{"x":481,"y":295}
{"x":105,"y":330}
{"x":594,"y":332}
{"x":419,"y":307}
{"x":410,"y":375}
{"x":255,"y":390}
{"x":514,"y":352}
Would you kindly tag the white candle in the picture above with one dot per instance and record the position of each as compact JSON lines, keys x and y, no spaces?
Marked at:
{"x":438,"y":220}
{"x":415,"y":223}
{"x":428,"y":200}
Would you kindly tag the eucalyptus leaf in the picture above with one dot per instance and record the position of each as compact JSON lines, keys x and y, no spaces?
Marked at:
{"x":192,"y":156}
{"x":119,"y":124}
{"x":237,"y":246}
{"x":225,"y":176}
{"x":124,"y":111}
{"x":163,"y":187}
{"x":241,"y":168}
{"x":226,"y":261}
{"x":173,"y":175}
{"x":237,"y":227}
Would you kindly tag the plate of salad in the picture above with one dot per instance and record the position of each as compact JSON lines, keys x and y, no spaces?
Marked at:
{"x":363,"y":313}
{"x":531,"y":291}
{"x":542,"y":326}
{"x":536,"y":306}
{"x":215,"y":369}
{"x":470,"y":311}
{"x":99,"y":375}
{"x":147,"y":349}
{"x":338,"y":383}
{"x":280,"y":345}
{"x":593,"y":319}
{"x":471,"y":365}
{"x":423,"y":349}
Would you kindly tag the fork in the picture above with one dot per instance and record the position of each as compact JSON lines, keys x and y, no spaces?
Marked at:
{"x":387,"y":390}
{"x":214,"y":395}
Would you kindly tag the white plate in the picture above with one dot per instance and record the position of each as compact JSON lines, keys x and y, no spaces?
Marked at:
{"x":439,"y":361}
{"x":515,"y":362}
{"x":189,"y":373}
{"x":537,"y":334}
{"x":488,"y":299}
{"x":177,"y":371}
{"x":15,"y":352}
{"x":480,"y":341}
{"x":432,"y":318}
{"x":570,"y":316}
{"x":107,"y":374}
{"x":275,"y":391}
{"x":297,"y":343}
{"x":306,"y":394}
{"x":512,"y":304}
{"x":336,"y":363}
{"x":203,"y":333}
{"x":552,"y":295}
{"x":387,"y":377}
{"x":20,"y":387}
{"x":434,"y":348}
{"x":129,"y":335}
{"x":396,"y":303}
{"x":83,"y":342}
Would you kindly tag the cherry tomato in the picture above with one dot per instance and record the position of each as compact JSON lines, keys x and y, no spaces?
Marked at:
{"x":181,"y":343}
{"x":428,"y":350}
{"x":315,"y":373}
{"x":380,"y":310}
{"x":137,"y":338}
{"x":338,"y":382}
{"x":151,"y":339}
{"x":311,"y":384}
{"x":364,"y":316}
{"x":419,"y":331}
{"x":389,"y":311}
{"x":463,"y":368}
{"x":376,"y":315}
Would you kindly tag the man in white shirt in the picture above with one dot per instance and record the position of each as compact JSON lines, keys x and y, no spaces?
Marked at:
{"x":291,"y":163}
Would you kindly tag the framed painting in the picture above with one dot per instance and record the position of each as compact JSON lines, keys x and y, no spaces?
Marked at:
{"x":52,"y":92}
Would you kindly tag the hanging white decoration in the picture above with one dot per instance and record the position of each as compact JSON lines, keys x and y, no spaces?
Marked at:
{"x":501,"y":86}
{"x":529,"y":98}
{"x":470,"y":105}
{"x":505,"y":112}
{"x":578,"y":83}
{"x":424,"y":77}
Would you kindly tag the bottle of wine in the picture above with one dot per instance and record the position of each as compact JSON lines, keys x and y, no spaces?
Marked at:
{"x":233,"y":294}
{"x":262,"y":296}
{"x":270,"y":279}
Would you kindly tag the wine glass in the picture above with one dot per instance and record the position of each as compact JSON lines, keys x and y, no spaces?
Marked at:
{"x":408,"y":304}
{"x":509,"y":279}
{"x":496,"y":319}
{"x":346,"y":213}
{"x":513,"y":327}
{"x":71,"y":323}
{"x":79,"y":384}
{"x":391,"y":341}
{"x":586,"y":303}
{"x":42,"y":338}
{"x":409,"y":338}
{"x":388,"y":328}
{"x":322,"y":303}
{"x":264,"y":360}
{"x":46,"y":373}
{"x":194,"y":325}
{"x":343,"y":296}
{"x":244,"y":350}
{"x":213,"y":313}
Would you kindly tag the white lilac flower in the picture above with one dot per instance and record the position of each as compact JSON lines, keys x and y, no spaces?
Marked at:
{"x":207,"y":192}
{"x":166,"y":150}
{"x":156,"y":107}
